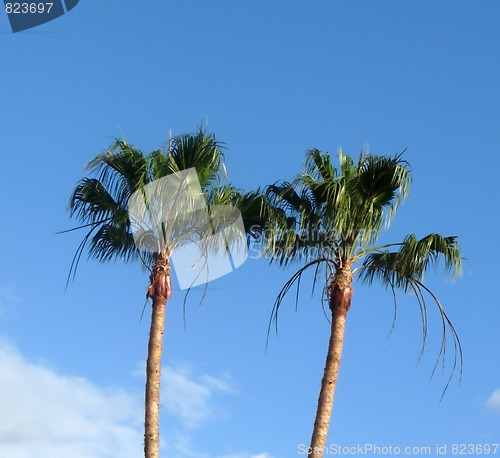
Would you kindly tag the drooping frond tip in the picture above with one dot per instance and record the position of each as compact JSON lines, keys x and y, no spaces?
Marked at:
{"x":404,"y":269}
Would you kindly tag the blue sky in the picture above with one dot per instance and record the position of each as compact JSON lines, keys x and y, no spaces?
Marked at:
{"x":271,"y":80}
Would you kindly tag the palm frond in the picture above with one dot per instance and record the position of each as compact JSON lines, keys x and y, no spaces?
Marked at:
{"x":112,"y":242}
{"x":347,"y":165}
{"x":413,"y":258}
{"x":404,"y":269}
{"x":295,"y":279}
{"x":319,"y":166}
{"x":373,"y":194}
{"x":92,"y":202}
{"x":122,"y":170}
{"x":256,"y":211}
{"x":283,"y":195}
{"x":201,"y":151}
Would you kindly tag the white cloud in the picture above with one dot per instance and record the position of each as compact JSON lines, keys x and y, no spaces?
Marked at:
{"x":493,"y":401}
{"x":189,"y":399}
{"x":46,"y":414}
{"x":49,"y":415}
{"x":8,"y":298}
{"x":179,"y":444}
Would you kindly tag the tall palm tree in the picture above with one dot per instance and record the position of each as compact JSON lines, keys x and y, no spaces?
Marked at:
{"x":331,"y":219}
{"x":100,"y":203}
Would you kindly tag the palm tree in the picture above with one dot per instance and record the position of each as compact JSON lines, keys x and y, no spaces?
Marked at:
{"x":331,"y":219}
{"x":100,"y":203}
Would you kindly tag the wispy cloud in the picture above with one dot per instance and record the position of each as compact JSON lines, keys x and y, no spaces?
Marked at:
{"x":180,"y":444}
{"x":8,"y":298}
{"x":188,"y":396}
{"x":191,"y":397}
{"x":49,"y":415}
{"x":493,"y":401}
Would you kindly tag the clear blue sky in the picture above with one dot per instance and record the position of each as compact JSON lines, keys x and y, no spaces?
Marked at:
{"x":271,"y":80}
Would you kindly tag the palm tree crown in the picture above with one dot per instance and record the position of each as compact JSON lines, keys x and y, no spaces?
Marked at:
{"x":100,"y":203}
{"x":334,"y":217}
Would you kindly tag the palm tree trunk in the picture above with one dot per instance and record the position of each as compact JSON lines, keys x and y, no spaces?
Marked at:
{"x":340,"y":294}
{"x":159,"y":290}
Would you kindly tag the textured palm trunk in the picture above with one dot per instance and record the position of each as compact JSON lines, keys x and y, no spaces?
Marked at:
{"x":340,"y":294}
{"x":159,"y":291}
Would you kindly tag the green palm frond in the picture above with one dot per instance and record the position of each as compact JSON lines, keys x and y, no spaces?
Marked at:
{"x":382,"y":181}
{"x":256,"y":212}
{"x":111,"y":241}
{"x":347,"y":166}
{"x":319,"y":166}
{"x":379,"y":179}
{"x":412,"y":259}
{"x":92,"y":202}
{"x":122,"y":170}
{"x":201,"y":151}
{"x":372,"y":194}
{"x":297,"y":199}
